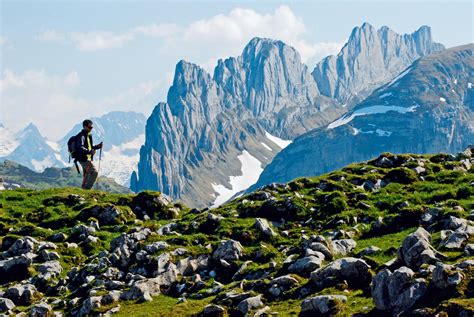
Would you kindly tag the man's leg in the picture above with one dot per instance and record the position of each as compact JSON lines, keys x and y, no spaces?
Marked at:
{"x":90,"y":174}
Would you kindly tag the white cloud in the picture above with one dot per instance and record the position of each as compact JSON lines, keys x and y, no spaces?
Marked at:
{"x":93,"y":41}
{"x":219,"y":36}
{"x":226,"y":35}
{"x":50,"y":36}
{"x":158,"y":30}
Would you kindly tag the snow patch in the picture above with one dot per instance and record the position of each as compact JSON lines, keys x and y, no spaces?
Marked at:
{"x":119,"y":162}
{"x":8,"y":141}
{"x":280,"y":142}
{"x":267,"y":147}
{"x":367,"y":111}
{"x":39,"y":166}
{"x":385,"y":95}
{"x":381,"y":132}
{"x":251,"y":170}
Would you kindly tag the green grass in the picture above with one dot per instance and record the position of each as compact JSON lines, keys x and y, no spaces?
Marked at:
{"x":164,"y":306}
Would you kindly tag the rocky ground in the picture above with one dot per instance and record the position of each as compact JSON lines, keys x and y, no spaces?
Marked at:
{"x":391,"y":236}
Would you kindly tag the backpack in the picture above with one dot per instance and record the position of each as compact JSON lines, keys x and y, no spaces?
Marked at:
{"x":72,"y":149}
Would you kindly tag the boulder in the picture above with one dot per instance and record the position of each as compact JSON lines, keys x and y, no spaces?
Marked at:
{"x":305,"y":265}
{"x":228,"y":250}
{"x":416,"y":249}
{"x":249,"y":304}
{"x":6,"y":304}
{"x":212,"y":310}
{"x":397,"y":292}
{"x":25,"y":294}
{"x":264,"y":227}
{"x":41,"y":310}
{"x":156,"y":246}
{"x":354,"y":271}
{"x":445,"y":276}
{"x":322,"y":305}
{"x":21,"y":246}
{"x":343,"y":246}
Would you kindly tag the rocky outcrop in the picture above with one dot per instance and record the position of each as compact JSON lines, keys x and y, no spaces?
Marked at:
{"x":369,"y":59}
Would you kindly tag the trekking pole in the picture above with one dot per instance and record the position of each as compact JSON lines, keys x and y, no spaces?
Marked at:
{"x":98,"y":168}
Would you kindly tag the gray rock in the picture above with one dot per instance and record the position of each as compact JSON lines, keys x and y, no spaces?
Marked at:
{"x":354,"y":271}
{"x":469,"y":249}
{"x":416,"y":249}
{"x":285,"y":281}
{"x":212,"y":310}
{"x":343,"y":246}
{"x":305,"y":265}
{"x":322,"y":305}
{"x":143,"y":290}
{"x":249,"y":304}
{"x":370,"y":250}
{"x":228,"y":250}
{"x":41,"y":310}
{"x":25,"y":294}
{"x":445,"y":276}
{"x":21,"y":246}
{"x":318,"y":246}
{"x":49,"y":255}
{"x":89,"y":306}
{"x":6,"y":305}
{"x":156,"y":246}
{"x":398,"y":291}
{"x":50,"y":269}
{"x":264,"y":227}
{"x":455,"y":240}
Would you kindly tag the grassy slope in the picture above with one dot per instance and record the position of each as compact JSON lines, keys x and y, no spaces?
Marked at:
{"x":319,"y":205}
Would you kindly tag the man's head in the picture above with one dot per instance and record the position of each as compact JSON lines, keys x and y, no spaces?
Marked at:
{"x":87,"y":125}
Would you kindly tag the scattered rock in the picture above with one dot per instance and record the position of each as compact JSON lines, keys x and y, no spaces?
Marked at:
{"x":41,"y":310}
{"x":264,"y":227}
{"x":305,"y":265}
{"x":398,"y":291}
{"x":416,"y":249}
{"x":249,"y":304}
{"x":228,"y":250}
{"x":212,"y":310}
{"x":6,"y":305}
{"x":445,"y":276}
{"x":354,"y":271}
{"x":323,"y":305}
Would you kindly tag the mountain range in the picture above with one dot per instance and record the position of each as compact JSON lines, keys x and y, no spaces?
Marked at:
{"x":210,"y":139}
{"x":427,"y":108}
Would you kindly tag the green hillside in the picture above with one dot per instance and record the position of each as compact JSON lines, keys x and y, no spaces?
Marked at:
{"x":347,"y":242}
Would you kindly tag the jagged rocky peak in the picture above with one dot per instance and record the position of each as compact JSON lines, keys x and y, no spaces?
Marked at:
{"x":193,"y":95}
{"x":369,"y":59}
{"x":265,"y":76}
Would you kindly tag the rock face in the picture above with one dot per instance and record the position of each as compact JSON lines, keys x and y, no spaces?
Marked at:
{"x":370,"y":59}
{"x":424,"y":110}
{"x":228,"y":250}
{"x":208,"y":121}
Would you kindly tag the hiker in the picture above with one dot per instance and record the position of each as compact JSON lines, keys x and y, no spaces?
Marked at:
{"x":85,"y":154}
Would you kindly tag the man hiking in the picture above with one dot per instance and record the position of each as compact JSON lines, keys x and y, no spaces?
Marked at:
{"x":85,"y":154}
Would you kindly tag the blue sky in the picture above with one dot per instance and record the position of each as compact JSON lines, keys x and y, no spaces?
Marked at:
{"x":62,"y":61}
